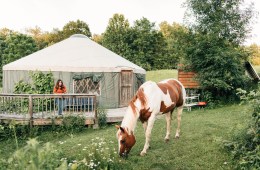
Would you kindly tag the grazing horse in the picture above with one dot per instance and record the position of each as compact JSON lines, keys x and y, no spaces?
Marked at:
{"x":150,"y":100}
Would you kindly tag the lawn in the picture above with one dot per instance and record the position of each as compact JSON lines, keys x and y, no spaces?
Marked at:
{"x":159,"y":75}
{"x":199,"y":147}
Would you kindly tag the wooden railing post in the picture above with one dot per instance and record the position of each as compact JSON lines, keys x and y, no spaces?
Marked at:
{"x":30,"y":110}
{"x":96,"y":126}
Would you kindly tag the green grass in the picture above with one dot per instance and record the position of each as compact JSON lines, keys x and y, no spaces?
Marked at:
{"x":199,"y":147}
{"x":159,"y":75}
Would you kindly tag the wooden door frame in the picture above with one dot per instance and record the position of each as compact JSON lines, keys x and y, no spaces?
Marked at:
{"x":120,"y":85}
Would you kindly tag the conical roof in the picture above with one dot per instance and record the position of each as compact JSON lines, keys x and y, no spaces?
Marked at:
{"x":75,"y":54}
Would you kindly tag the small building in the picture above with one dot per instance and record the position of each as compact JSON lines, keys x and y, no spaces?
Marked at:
{"x":85,"y":67}
{"x":187,"y":79}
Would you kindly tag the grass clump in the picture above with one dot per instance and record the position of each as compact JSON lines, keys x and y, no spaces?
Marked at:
{"x":33,"y":156}
{"x":98,"y":155}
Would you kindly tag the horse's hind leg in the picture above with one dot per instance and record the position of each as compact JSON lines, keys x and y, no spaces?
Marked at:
{"x":168,"y":126}
{"x":179,"y":112}
{"x":145,"y":126}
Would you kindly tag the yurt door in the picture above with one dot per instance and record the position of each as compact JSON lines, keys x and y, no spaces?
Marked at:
{"x":126,"y":87}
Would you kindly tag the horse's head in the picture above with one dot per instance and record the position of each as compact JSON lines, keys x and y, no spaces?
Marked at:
{"x":126,"y":141}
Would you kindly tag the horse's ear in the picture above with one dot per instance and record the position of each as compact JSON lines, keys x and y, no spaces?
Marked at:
{"x":122,"y":129}
{"x":117,"y":126}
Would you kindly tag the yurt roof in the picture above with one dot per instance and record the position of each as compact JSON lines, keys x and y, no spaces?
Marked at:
{"x":75,"y":54}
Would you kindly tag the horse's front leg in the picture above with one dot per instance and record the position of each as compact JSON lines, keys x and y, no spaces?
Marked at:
{"x":148,"y":131}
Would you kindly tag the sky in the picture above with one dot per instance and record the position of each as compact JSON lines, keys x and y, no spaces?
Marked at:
{"x":48,"y":14}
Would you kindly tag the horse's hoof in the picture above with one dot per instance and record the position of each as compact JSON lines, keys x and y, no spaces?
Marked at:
{"x":166,"y":140}
{"x":142,"y":153}
{"x":177,"y":137}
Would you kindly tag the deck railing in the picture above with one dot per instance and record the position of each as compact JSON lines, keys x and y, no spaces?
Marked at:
{"x":35,"y":106}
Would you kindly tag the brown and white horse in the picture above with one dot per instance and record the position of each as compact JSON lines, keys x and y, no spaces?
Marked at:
{"x":150,"y":100}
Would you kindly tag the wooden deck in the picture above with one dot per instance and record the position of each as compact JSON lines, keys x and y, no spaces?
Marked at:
{"x":113,"y":116}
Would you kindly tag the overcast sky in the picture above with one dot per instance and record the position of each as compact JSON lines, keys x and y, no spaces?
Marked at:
{"x":48,"y":14}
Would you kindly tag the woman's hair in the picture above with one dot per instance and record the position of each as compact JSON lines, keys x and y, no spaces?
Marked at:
{"x":57,"y":84}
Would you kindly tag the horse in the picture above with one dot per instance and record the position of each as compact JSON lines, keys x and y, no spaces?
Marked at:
{"x":150,"y":100}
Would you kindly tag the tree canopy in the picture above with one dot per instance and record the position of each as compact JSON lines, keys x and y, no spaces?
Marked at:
{"x":216,"y":35}
{"x":209,"y":45}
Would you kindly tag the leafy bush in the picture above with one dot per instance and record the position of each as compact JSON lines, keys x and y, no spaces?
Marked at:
{"x":33,"y":156}
{"x":18,"y":132}
{"x":41,"y":84}
{"x":73,"y":123}
{"x":246,"y":148}
{"x":102,"y":116}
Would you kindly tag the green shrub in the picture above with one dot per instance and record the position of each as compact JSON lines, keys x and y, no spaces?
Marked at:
{"x":73,"y":123}
{"x":33,"y":156}
{"x":41,"y":84}
{"x":246,"y":148}
{"x":102,"y":116}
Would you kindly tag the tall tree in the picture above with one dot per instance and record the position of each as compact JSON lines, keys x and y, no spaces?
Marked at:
{"x":254,"y":51}
{"x":147,"y":45}
{"x":5,"y":32}
{"x":97,"y":38}
{"x":76,"y":27}
{"x":2,"y":48}
{"x":38,"y":36}
{"x":114,"y":37}
{"x":219,"y":29}
{"x":174,"y":35}
{"x":15,"y":46}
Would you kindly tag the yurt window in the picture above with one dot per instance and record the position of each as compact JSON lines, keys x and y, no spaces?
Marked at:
{"x":86,"y":85}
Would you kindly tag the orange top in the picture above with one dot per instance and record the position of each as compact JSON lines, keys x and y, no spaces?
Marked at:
{"x":59,"y":90}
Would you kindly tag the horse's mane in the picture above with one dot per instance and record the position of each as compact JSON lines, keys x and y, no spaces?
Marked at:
{"x":141,"y":96}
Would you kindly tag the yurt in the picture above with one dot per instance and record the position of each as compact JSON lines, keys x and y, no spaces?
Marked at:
{"x":84,"y":66}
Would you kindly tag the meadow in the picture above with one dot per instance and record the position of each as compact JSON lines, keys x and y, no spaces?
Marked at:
{"x":200,"y":146}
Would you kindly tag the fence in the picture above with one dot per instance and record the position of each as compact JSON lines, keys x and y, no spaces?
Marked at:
{"x":42,"y":108}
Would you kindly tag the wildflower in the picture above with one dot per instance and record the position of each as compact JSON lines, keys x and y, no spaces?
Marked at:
{"x":62,"y":159}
